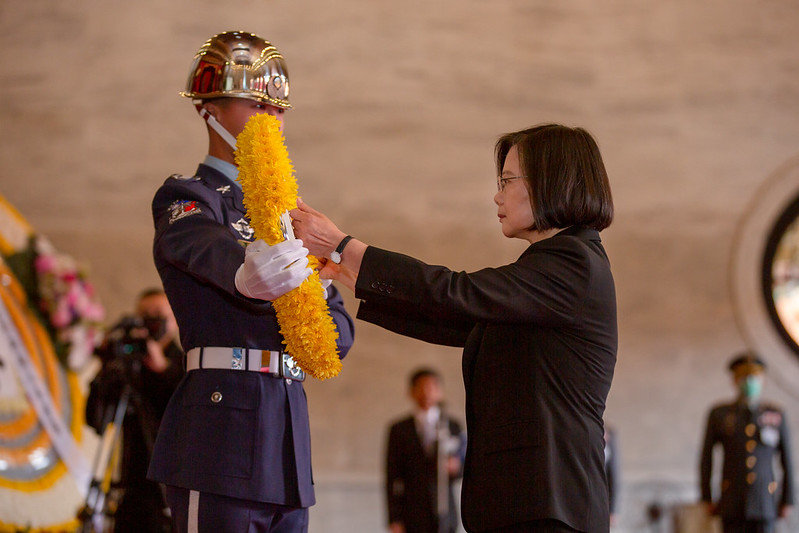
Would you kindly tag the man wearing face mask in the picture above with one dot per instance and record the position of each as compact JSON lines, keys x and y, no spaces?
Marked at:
{"x":142,"y":351}
{"x":753,"y":434}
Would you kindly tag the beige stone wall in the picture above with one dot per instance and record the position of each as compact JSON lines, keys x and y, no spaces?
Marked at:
{"x":694,"y":105}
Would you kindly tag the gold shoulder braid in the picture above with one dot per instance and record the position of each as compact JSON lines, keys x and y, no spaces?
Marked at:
{"x":270,"y":189}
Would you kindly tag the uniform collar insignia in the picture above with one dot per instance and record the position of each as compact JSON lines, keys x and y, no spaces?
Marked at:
{"x":244,"y":229}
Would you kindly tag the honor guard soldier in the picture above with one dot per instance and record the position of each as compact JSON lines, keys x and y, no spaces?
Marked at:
{"x":233,"y":448}
{"x":753,"y":434}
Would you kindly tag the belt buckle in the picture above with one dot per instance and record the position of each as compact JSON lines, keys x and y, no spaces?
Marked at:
{"x":289,"y":368}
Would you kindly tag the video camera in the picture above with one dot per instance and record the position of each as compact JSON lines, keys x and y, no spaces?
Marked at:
{"x":127,"y":339}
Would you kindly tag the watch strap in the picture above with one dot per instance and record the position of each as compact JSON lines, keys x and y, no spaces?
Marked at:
{"x":336,"y":255}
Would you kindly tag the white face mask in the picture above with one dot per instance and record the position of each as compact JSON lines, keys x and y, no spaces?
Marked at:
{"x":751,"y":387}
{"x":219,"y":128}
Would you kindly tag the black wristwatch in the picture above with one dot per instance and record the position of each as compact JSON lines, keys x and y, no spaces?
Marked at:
{"x":335,"y":255}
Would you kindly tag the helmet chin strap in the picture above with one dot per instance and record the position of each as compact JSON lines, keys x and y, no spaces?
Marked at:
{"x":219,"y":128}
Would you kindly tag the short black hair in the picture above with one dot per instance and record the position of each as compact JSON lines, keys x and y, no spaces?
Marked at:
{"x":424,"y":372}
{"x":151,"y":291}
{"x":745,"y":362}
{"x":564,"y":173}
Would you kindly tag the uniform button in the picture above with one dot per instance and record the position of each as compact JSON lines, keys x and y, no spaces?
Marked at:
{"x":389,"y":289}
{"x":375,"y":285}
{"x":750,"y":430}
{"x":288,"y":381}
{"x":750,"y":478}
{"x":751,"y":461}
{"x":216,"y":397}
{"x":750,"y":446}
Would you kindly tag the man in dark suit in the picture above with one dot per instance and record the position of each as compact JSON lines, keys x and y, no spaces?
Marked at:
{"x":752,"y":434}
{"x":234,"y":446}
{"x":425,"y":457}
{"x":612,"y":471}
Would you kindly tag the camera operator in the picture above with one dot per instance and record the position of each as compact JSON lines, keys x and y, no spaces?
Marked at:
{"x":142,"y":352}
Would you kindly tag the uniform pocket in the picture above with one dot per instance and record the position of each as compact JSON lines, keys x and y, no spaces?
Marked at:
{"x":220,"y":408}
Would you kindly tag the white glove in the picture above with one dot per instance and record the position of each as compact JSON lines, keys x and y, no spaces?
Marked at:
{"x":269,"y":272}
{"x":325,"y":284}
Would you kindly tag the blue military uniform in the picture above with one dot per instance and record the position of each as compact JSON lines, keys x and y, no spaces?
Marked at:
{"x":232,"y":433}
{"x":752,"y":438}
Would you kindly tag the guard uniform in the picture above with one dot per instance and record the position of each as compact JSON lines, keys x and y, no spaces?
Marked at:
{"x":752,"y":439}
{"x":234,"y":433}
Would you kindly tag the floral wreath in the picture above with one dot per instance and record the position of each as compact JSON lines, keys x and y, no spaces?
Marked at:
{"x":270,"y":189}
{"x":52,"y":312}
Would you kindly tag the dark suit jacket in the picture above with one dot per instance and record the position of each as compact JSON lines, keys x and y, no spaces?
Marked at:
{"x":255,"y":443}
{"x":612,"y":469}
{"x":411,"y":479}
{"x":540,"y":339}
{"x":751,"y":440}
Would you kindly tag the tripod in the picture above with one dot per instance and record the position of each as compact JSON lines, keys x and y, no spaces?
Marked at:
{"x":97,"y":514}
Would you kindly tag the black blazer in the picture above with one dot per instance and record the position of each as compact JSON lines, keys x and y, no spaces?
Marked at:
{"x":540,"y":340}
{"x":411,"y":478}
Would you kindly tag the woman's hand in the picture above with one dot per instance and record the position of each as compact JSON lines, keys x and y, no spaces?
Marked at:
{"x":320,"y":236}
{"x":329,"y":270}
{"x":318,"y":233}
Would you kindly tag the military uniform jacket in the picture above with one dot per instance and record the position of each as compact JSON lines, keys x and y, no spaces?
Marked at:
{"x":255,"y":443}
{"x":751,"y":440}
{"x":540,"y":340}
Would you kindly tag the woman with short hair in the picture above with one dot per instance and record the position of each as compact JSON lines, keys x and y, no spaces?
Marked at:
{"x":539,"y":334}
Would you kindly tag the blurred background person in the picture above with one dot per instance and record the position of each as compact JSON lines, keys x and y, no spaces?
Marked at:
{"x":612,"y":467}
{"x":141,"y":351}
{"x":424,"y":459}
{"x":753,"y":435}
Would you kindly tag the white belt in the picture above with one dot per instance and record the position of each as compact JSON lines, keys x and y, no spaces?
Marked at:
{"x":277,"y":364}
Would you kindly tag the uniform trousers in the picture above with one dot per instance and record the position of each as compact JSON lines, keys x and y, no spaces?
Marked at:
{"x":750,"y":526}
{"x":195,"y":512}
{"x":141,"y":510}
{"x":537,"y":526}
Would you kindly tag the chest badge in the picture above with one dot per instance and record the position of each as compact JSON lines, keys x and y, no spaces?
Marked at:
{"x":244,"y":229}
{"x":182,"y":209}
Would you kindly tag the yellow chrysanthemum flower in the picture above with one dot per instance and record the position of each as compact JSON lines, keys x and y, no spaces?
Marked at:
{"x":267,"y":180}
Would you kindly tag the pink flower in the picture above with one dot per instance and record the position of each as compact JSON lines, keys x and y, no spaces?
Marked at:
{"x":94,"y":312}
{"x":44,"y":263}
{"x":68,"y":300}
{"x":61,"y":316}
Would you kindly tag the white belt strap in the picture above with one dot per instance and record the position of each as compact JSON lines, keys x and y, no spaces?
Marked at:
{"x":233,"y":359}
{"x":192,"y":521}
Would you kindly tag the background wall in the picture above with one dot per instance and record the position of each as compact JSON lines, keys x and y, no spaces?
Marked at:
{"x":398,"y":104}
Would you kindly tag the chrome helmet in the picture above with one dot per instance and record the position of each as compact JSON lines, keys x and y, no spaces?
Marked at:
{"x":240,"y":65}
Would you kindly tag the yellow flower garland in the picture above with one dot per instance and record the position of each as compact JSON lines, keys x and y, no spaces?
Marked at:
{"x":267,"y":180}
